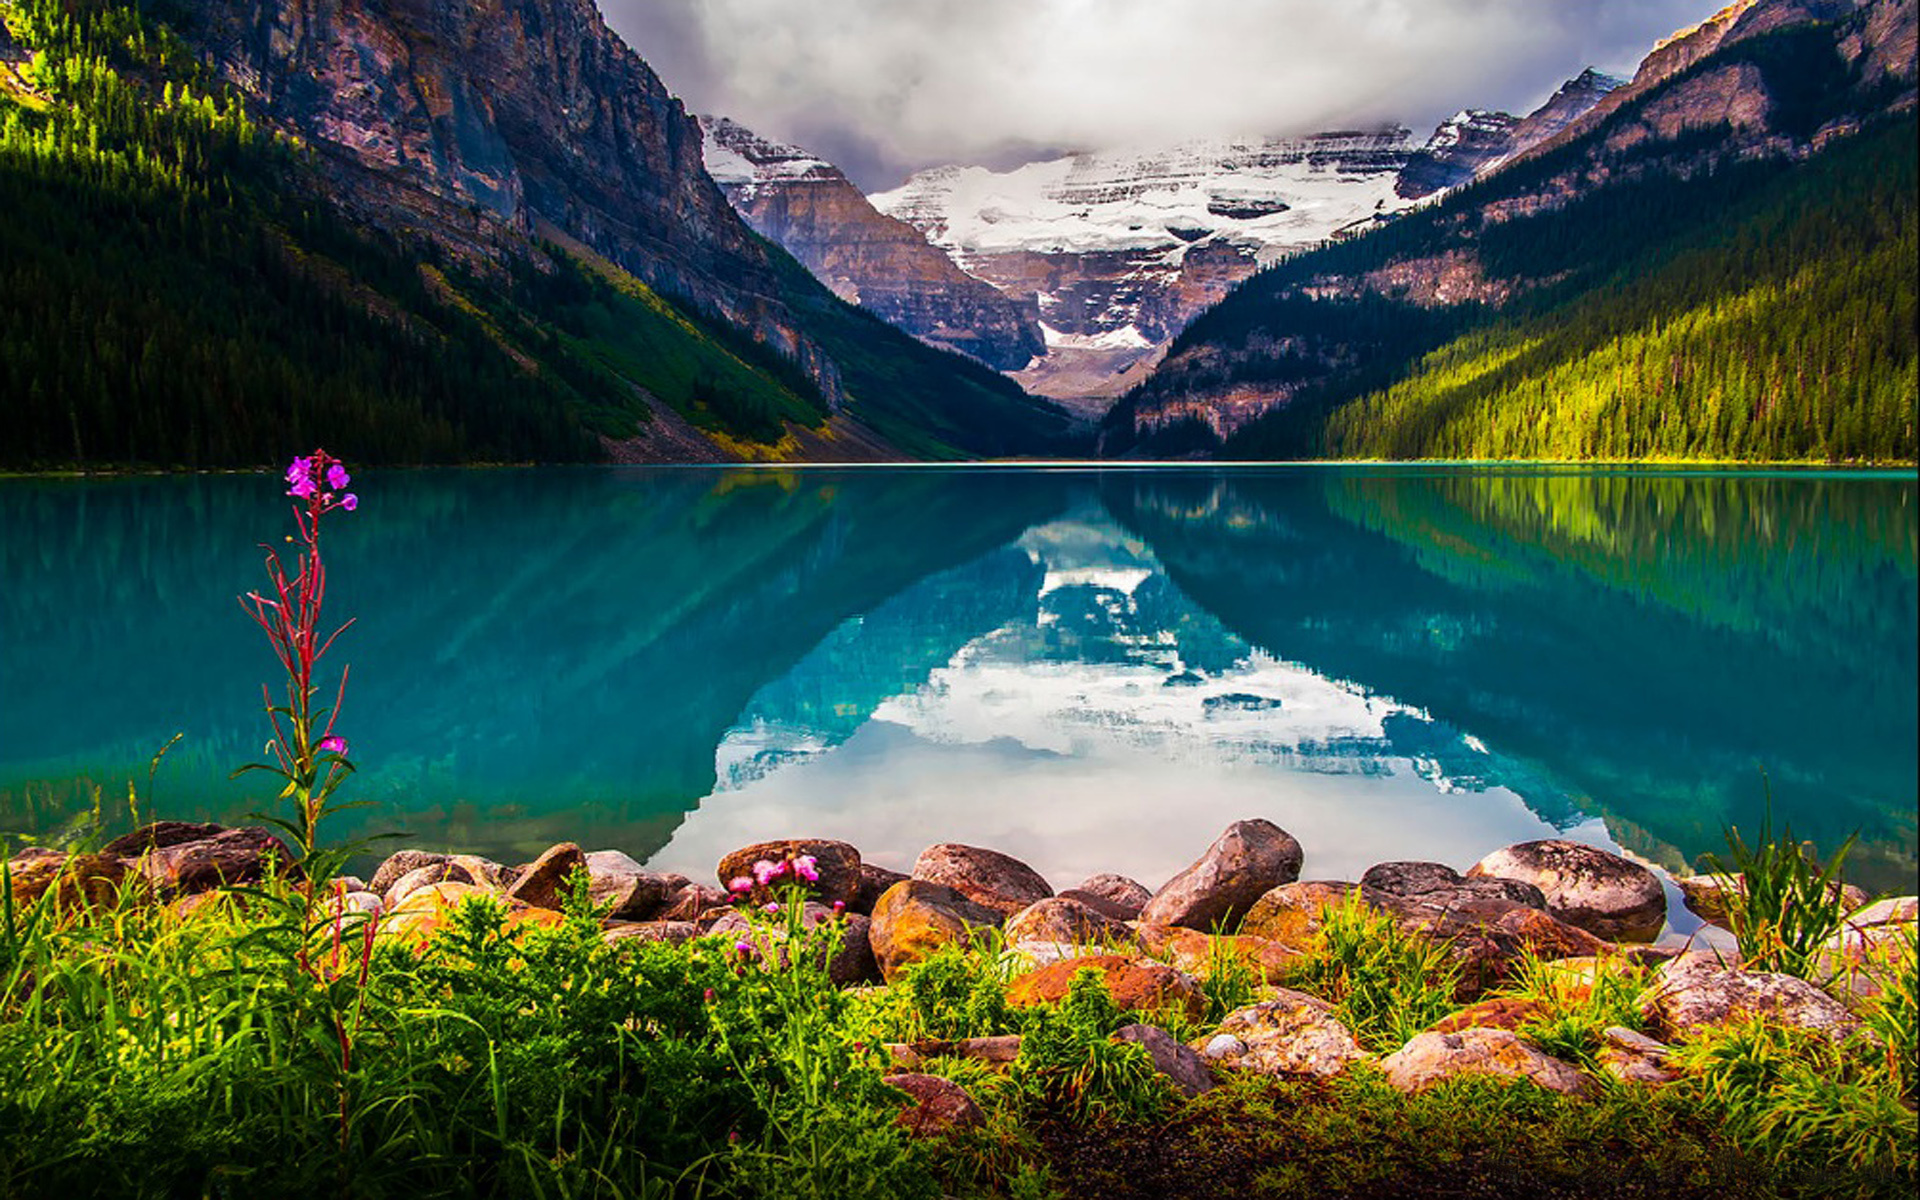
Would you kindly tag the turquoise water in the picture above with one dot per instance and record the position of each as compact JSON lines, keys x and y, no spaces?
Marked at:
{"x":1094,"y":670}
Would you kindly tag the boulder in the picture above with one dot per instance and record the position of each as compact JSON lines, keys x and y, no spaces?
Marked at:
{"x":399,"y":863}
{"x":1707,"y":896}
{"x":1244,"y":863}
{"x":1429,"y":1058}
{"x":914,"y":918}
{"x":1694,"y":992}
{"x":1200,"y":954}
{"x":1291,"y":913}
{"x":1120,"y":892}
{"x":1633,"y":1057}
{"x":874,"y":881}
{"x":214,"y":904}
{"x":997,"y":1052}
{"x":1060,"y":921}
{"x":1606,"y":895}
{"x":853,"y":963}
{"x":672,"y":932}
{"x":427,"y":876}
{"x":940,"y":1106}
{"x":1134,"y":986}
{"x":1291,"y":1034}
{"x":430,"y":909}
{"x":1495,"y":1012}
{"x":836,"y":863}
{"x":693,"y":902}
{"x":629,"y":890}
{"x":1547,"y":937}
{"x":483,"y":871}
{"x":986,"y":877}
{"x":159,"y":835}
{"x":545,"y":881}
{"x":228,"y":858}
{"x":1188,"y":1071}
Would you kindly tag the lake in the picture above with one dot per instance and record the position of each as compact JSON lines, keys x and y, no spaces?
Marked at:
{"x":1090,"y":669}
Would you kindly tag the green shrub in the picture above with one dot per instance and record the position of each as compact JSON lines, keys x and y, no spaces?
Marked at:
{"x":1783,"y":904}
{"x":1069,"y":1059}
{"x":1386,"y":983}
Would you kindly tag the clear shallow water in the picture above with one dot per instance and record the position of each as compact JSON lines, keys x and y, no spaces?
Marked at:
{"x":1091,"y":670}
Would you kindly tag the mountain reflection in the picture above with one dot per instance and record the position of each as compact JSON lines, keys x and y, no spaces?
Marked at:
{"x":1080,"y":665}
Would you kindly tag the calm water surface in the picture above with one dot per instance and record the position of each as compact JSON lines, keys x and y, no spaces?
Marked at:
{"x":1091,"y":670}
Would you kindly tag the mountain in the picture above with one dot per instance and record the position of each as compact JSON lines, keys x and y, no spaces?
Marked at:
{"x":417,"y":231}
{"x":1714,"y":261}
{"x":885,"y":266}
{"x":1119,"y":249}
{"x":1458,"y":150}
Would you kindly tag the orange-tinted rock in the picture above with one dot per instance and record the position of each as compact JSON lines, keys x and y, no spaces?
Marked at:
{"x":1134,"y":986}
{"x":1291,"y":913}
{"x":430,"y":909}
{"x":914,"y":918}
{"x":1061,"y":921}
{"x":1548,"y":937}
{"x":1430,"y":1058}
{"x":1601,"y":892}
{"x":544,"y":881}
{"x":874,"y":882}
{"x":1291,"y":1034}
{"x":1498,"y":1012}
{"x":1199,"y":954}
{"x":74,"y":880}
{"x":836,"y":863}
{"x":987,"y":877}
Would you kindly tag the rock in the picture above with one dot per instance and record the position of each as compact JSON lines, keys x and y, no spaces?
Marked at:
{"x":852,"y":963}
{"x":987,"y":877}
{"x":545,"y":881}
{"x":672,"y":932}
{"x":1411,"y":878}
{"x":837,"y":864}
{"x":347,"y":904}
{"x":159,"y":835}
{"x":215,"y":904}
{"x":1134,"y":986}
{"x":430,"y":909}
{"x":1498,"y":1012}
{"x":632,"y":892}
{"x":914,"y":918}
{"x":1291,"y":1034}
{"x":1695,"y":992}
{"x":1045,"y":954}
{"x":612,"y":862}
{"x":1244,"y":863}
{"x":483,"y":871}
{"x":1222,"y":1045}
{"x":1186,"y":1069}
{"x":1895,"y":910}
{"x":1548,"y":937}
{"x":1060,"y":921}
{"x":874,"y":881}
{"x":1602,"y":893}
{"x":1117,"y":890}
{"x":994,"y":1051}
{"x":1707,"y":896}
{"x":1633,"y":1057}
{"x":1199,"y":954}
{"x":351,"y":883}
{"x":230,"y":857}
{"x":940,"y":1105}
{"x":692,"y":902}
{"x":427,"y":876}
{"x":399,"y":863}
{"x":1291,"y":913}
{"x":1429,"y":1058}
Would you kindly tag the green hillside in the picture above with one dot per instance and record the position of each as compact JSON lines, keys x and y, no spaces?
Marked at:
{"x":176,"y":291}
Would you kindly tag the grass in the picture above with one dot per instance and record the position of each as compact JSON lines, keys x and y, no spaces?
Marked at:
{"x":143,"y":1053}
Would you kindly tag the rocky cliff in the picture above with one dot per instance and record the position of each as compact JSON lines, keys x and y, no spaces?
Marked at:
{"x":1761,"y":80}
{"x":886,"y":266}
{"x":1118,"y":249}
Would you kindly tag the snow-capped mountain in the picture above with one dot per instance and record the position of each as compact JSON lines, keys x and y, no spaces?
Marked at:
{"x":812,"y":210}
{"x":1119,"y":249}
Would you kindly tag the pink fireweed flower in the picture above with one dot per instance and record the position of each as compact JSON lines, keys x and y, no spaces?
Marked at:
{"x":337,"y":477}
{"x":349,"y":502}
{"x":333,"y":745}
{"x":806,"y":869}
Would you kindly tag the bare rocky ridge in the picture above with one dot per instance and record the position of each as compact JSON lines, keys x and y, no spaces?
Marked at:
{"x":867,"y":258}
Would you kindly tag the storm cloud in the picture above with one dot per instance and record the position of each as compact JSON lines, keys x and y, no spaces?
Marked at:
{"x":886,"y":86}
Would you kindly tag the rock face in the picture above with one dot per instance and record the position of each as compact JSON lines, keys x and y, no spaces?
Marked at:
{"x":1431,"y":1057}
{"x":884,"y":265}
{"x":1458,"y":150}
{"x":1292,"y":1034}
{"x":1609,"y":896}
{"x":914,"y":918}
{"x":988,"y":877}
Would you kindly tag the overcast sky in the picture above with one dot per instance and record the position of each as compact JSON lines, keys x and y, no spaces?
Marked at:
{"x":884,"y":87}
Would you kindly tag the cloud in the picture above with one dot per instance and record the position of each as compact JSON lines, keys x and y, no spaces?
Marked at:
{"x":885,"y":86}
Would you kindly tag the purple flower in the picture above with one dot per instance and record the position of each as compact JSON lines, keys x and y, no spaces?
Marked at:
{"x":839,"y":906}
{"x":301,"y":488}
{"x":770,"y":907}
{"x":765,"y":872}
{"x":743,"y":947}
{"x":333,"y":745}
{"x":337,"y":477}
{"x":805,"y":868}
{"x":349,"y":502}
{"x":739,"y":885}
